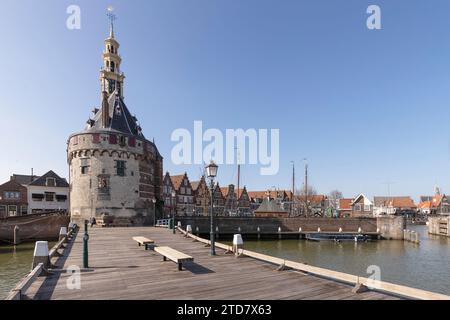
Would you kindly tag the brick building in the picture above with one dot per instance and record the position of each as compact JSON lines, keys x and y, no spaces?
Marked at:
{"x":13,"y":199}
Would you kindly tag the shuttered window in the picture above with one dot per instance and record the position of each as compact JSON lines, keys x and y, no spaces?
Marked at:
{"x":96,"y":138}
{"x":112,"y":139}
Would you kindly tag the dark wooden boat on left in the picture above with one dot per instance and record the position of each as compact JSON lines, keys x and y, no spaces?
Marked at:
{"x":38,"y":226}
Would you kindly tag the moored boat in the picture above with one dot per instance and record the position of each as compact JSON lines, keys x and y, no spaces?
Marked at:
{"x":33,"y":226}
{"x":337,"y":237}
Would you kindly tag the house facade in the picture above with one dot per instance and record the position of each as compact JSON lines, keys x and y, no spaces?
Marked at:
{"x":236,"y":202}
{"x":202,"y":197}
{"x":218,"y":200}
{"x":440,"y":205}
{"x":48,"y":193}
{"x":345,"y":207}
{"x":361,"y":207}
{"x":393,"y":206}
{"x":13,"y":199}
{"x":244,"y":202}
{"x":168,"y":198}
{"x":184,"y":199}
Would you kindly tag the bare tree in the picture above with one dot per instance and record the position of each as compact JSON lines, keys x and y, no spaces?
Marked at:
{"x":334,"y":197}
{"x":303,"y":200}
{"x":333,"y":201}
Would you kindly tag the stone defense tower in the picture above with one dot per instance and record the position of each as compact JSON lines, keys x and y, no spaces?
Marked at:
{"x":115,"y":172}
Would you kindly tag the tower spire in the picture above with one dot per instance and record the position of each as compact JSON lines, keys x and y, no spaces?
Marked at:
{"x":111,"y":78}
{"x":112,"y":18}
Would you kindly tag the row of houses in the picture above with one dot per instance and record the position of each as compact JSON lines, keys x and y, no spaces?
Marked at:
{"x":362,"y":206}
{"x":185,"y":197}
{"x":27,"y":194}
{"x":192,"y":198}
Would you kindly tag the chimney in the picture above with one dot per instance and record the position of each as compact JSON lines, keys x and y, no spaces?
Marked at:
{"x":105,"y":110}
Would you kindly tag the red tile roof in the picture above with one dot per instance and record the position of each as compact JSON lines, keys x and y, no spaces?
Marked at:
{"x":436,"y":201}
{"x":396,"y":202}
{"x":177,"y":180}
{"x":345,"y":204}
{"x":318,"y":198}
{"x":424,"y":205}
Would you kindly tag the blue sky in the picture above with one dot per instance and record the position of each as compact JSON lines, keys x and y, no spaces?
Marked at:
{"x":365,"y":107}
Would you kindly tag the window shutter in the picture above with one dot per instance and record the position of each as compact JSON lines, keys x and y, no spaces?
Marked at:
{"x":112,"y":139}
{"x":96,"y":138}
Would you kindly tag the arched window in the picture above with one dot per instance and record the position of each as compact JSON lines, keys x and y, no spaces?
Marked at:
{"x":112,"y":66}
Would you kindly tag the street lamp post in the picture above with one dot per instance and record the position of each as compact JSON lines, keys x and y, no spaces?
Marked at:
{"x":211,"y":172}
{"x":85,"y":245}
{"x":173,"y":207}
{"x":154,"y":211}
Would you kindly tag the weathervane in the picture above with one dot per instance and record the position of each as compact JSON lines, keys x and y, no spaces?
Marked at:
{"x":112,"y":17}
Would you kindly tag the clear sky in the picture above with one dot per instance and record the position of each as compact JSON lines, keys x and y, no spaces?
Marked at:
{"x":366,"y":107}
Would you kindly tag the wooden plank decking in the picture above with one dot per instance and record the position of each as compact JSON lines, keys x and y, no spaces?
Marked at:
{"x":121,"y":270}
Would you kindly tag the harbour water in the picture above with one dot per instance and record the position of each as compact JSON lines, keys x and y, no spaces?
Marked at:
{"x":424,"y":266}
{"x":15,"y":263}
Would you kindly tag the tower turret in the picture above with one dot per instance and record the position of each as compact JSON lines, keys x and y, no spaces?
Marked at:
{"x":111,"y":78}
{"x":115,"y":172}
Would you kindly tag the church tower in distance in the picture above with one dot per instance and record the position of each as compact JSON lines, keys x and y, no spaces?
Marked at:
{"x":115,"y":172}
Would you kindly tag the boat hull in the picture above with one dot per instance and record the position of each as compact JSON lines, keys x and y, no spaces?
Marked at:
{"x":33,"y":226}
{"x":338,"y":237}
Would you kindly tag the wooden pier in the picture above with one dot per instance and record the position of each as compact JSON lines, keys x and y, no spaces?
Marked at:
{"x":120,"y":269}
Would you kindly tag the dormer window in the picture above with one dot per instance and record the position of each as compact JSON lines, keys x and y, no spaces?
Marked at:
{"x":50,"y":182}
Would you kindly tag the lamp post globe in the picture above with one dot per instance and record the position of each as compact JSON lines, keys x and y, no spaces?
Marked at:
{"x":211,"y":173}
